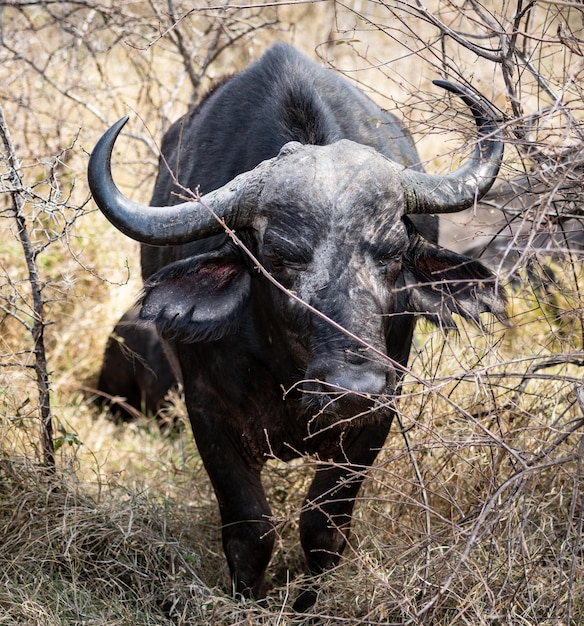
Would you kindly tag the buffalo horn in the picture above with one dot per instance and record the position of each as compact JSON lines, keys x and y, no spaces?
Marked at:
{"x":429,"y":193}
{"x":160,"y":226}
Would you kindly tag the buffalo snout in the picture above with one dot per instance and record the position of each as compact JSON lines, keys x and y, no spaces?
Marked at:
{"x":347,"y":391}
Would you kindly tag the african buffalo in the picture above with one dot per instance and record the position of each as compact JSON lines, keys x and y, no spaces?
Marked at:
{"x":316,"y":184}
{"x":136,"y":374}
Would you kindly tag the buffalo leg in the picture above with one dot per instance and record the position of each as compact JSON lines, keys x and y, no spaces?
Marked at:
{"x":326,"y":516}
{"x":135,"y":367}
{"x":247,"y":532}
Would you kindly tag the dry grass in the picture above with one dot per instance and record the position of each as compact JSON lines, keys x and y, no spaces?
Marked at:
{"x":484,"y":499}
{"x":473,"y":513}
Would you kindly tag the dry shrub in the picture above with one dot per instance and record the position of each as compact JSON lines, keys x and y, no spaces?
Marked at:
{"x":68,"y":558}
{"x":472,"y":514}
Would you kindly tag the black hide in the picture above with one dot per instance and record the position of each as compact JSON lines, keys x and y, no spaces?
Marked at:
{"x":264,"y":376}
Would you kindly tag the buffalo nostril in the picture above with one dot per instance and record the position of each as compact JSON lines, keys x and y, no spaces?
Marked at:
{"x":366,"y":383}
{"x":356,"y":381}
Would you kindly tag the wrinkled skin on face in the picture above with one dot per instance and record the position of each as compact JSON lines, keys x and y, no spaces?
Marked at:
{"x":270,"y":378}
{"x":314,"y":242}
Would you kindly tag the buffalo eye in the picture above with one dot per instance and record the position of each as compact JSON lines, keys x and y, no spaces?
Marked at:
{"x":388,"y":264}
{"x":274,"y":261}
{"x":283,"y":270}
{"x":278,"y":263}
{"x":284,"y":260}
{"x":388,"y":261}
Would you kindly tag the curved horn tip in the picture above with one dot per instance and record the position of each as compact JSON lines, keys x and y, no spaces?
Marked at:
{"x":470,"y":97}
{"x":458,"y":190}
{"x":101,"y":153}
{"x":456,"y":88}
{"x":116,"y":127}
{"x":122,"y":120}
{"x":448,"y":85}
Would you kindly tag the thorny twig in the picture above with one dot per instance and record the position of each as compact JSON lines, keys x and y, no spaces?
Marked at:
{"x":39,"y":322}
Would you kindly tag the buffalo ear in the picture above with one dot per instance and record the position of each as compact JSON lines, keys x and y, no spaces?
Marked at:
{"x":441,"y":282}
{"x":200,"y":298}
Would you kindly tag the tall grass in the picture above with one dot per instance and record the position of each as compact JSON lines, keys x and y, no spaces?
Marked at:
{"x":473,"y":512}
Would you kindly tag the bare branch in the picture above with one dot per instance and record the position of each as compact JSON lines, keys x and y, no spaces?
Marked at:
{"x":36,"y":285}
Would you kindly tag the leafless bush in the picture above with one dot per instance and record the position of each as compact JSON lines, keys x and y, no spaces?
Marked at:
{"x":66,"y":66}
{"x":474,"y":511}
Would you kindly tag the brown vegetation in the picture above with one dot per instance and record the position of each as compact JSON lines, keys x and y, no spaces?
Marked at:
{"x":473,"y":513}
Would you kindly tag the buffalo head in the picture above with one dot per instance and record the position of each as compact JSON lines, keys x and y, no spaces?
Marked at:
{"x":329,"y":223}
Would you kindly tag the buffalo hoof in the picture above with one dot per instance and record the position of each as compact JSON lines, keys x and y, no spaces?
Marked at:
{"x":305,"y":600}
